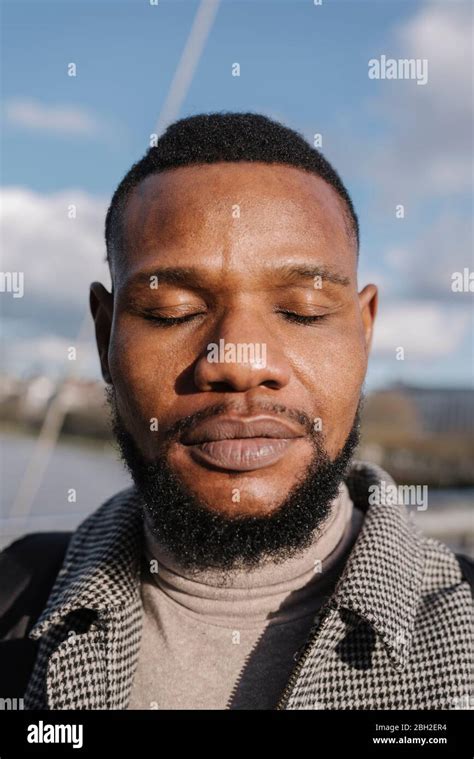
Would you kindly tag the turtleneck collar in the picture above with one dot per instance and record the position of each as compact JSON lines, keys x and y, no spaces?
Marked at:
{"x":272,"y":591}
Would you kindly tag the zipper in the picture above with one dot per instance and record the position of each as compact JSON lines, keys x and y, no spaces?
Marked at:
{"x":303,"y":657}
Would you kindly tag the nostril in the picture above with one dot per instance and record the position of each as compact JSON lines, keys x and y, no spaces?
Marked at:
{"x":221,"y":387}
{"x":271,"y":384}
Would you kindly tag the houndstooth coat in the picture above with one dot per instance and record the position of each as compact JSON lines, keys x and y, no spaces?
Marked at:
{"x":395,"y":634}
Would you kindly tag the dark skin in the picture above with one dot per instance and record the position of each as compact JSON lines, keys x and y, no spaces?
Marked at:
{"x":252,"y":281}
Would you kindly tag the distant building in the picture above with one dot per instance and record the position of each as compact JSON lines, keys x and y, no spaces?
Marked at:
{"x":442,"y":410}
{"x":421,"y":435}
{"x":426,"y":410}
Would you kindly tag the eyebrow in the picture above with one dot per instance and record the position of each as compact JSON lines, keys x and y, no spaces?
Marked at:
{"x":291,"y":273}
{"x":286,"y":274}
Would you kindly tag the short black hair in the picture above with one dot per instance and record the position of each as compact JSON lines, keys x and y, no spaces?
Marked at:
{"x":225,"y":136}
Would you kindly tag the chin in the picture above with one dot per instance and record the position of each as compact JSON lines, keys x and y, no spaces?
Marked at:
{"x":248,"y":494}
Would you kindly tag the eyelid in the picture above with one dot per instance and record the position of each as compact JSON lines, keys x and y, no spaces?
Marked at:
{"x":302,"y":318}
{"x":180,"y":309}
{"x":303,"y":304}
{"x":169,"y":321}
{"x":160,"y":315}
{"x":291,"y":316}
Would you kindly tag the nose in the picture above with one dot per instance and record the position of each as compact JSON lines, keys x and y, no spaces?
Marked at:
{"x":241,"y":355}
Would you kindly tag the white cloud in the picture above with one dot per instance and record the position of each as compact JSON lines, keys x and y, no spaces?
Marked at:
{"x":443,"y":32}
{"x":56,"y":119}
{"x":59,"y":255}
{"x":59,"y":258}
{"x":425,"y":266}
{"x":423,"y":329}
{"x":430,"y":127}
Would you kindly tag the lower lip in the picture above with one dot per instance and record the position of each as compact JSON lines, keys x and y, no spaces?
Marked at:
{"x":241,"y":454}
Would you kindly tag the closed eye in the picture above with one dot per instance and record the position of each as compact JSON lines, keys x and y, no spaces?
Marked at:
{"x":291,"y":316}
{"x":170,"y":321}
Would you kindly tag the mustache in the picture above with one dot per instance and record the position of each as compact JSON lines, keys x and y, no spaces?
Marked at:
{"x":187,"y":423}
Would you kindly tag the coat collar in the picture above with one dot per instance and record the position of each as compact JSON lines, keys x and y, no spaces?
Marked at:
{"x":101,"y":570}
{"x":383,"y":577}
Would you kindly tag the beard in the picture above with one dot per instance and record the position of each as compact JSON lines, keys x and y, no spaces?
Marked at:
{"x":200,"y":538}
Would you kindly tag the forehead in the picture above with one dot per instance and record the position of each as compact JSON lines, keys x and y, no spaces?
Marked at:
{"x":241,"y":212}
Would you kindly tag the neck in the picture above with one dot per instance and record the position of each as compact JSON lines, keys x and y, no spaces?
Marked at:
{"x":272,"y":590}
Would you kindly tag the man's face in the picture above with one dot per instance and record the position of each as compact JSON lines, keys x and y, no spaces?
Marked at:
{"x":245,"y":254}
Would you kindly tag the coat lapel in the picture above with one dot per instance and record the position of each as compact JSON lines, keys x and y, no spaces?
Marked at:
{"x":89,"y":633}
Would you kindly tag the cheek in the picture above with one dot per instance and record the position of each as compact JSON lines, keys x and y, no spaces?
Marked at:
{"x":333,"y":369}
{"x":143,"y":372}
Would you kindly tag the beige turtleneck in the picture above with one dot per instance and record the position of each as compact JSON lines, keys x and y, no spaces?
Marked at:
{"x":214,"y":641}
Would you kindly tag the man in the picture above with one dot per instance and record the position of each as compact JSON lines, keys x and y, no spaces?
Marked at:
{"x":253,"y":564}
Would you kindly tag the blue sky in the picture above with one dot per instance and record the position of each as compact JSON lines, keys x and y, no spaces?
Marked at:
{"x":70,"y":140}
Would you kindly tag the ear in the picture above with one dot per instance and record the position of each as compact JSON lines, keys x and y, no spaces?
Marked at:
{"x":102,"y":309}
{"x":368,"y":301}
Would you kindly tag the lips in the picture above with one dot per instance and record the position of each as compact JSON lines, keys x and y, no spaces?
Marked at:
{"x":240,"y":445}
